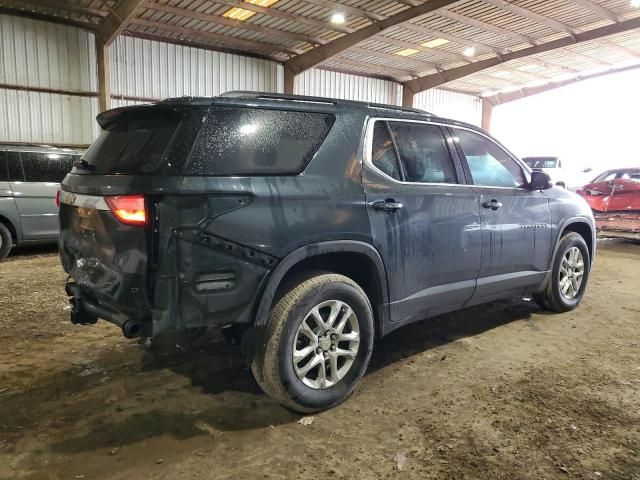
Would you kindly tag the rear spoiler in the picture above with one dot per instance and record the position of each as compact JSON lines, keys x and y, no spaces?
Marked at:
{"x":108,"y":117}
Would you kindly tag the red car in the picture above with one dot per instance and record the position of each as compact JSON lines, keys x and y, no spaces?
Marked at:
{"x":614,"y":191}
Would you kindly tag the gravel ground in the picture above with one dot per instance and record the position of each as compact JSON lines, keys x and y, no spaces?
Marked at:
{"x":501,"y":391}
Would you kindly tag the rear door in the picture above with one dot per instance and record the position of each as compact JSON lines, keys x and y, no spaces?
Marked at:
{"x":424,"y":220}
{"x":516,"y":222}
{"x":35,"y":195}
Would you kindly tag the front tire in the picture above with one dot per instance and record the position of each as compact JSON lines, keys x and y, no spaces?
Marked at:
{"x":316,"y":345}
{"x":569,"y":276}
{"x":5,"y":241}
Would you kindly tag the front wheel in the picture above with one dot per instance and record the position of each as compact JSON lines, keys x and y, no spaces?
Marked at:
{"x":569,"y":275}
{"x":316,"y":345}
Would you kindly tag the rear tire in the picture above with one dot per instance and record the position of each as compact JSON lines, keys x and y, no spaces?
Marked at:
{"x":569,"y":275}
{"x":6,"y":241}
{"x":328,"y":316}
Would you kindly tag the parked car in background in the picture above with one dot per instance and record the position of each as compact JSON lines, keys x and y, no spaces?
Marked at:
{"x":552,"y":166}
{"x":308,"y":226}
{"x":614,"y":197}
{"x":30,"y":177}
{"x":613,"y":191}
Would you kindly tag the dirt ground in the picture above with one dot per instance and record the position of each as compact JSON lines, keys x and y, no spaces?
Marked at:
{"x":496,"y":392}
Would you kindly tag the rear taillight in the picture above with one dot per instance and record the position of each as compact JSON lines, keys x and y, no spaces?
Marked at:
{"x":128,"y":209}
{"x":58,"y":198}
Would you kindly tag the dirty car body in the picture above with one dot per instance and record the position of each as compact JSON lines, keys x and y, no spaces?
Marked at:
{"x":195,"y":213}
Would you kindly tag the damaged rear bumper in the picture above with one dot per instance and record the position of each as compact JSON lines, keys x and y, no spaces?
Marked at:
{"x":86,"y":310}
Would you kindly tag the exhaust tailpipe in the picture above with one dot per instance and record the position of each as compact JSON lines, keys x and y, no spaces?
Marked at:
{"x":131,"y":329}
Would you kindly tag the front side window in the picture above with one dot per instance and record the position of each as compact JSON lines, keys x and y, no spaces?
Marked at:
{"x":489,"y":164}
{"x":45,"y":167}
{"x":251,"y":141}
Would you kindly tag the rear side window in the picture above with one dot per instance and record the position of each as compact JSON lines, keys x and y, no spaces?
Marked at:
{"x":4,"y":169}
{"x":134,"y":141}
{"x":489,"y":164}
{"x":15,"y":167}
{"x":249,"y":141}
{"x":423,"y":152}
{"x":45,"y":167}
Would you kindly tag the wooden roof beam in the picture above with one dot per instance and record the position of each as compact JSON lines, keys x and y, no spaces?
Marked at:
{"x":320,"y":54}
{"x":440,"y":78}
{"x":597,"y":9}
{"x":531,"y":15}
{"x":488,"y":27}
{"x":232,"y":42}
{"x":500,"y":98}
{"x":274,"y":12}
{"x":117,"y":20}
{"x":217,"y":19}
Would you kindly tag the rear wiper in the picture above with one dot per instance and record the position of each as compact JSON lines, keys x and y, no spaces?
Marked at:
{"x":83,"y":165}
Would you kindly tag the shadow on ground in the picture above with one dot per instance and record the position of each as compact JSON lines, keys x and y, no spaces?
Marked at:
{"x":218,"y":368}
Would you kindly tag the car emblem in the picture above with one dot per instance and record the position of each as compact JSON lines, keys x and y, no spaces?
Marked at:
{"x":73,"y":199}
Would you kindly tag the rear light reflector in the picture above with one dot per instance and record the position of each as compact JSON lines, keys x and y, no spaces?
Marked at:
{"x":128,"y":209}
{"x":58,"y":198}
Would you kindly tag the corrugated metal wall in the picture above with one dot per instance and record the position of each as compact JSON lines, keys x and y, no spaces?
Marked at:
{"x":44,"y":55}
{"x":48,"y":56}
{"x":153,"y":70}
{"x":459,"y":106}
{"x":324,"y":83}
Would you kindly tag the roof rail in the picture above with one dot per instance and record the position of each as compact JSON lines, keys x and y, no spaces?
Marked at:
{"x":328,"y":101}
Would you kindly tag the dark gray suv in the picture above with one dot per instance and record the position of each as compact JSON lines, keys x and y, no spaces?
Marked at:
{"x":307,"y":227}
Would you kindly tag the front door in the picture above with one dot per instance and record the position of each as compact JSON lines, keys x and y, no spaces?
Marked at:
{"x":425,"y":223}
{"x":516,"y":222}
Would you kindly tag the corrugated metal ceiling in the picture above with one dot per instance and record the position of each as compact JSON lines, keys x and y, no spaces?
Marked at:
{"x":291,"y":27}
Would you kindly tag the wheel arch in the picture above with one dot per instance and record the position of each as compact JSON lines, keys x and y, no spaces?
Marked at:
{"x":582,"y":227}
{"x":358,"y":260}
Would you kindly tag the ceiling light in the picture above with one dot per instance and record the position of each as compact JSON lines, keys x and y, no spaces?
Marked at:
{"x":501,"y":74}
{"x":436,"y":42}
{"x":261,"y":3}
{"x":407,"y":52}
{"x":241,"y":14}
{"x":338,"y":18}
{"x":238,"y":14}
{"x":469,"y":52}
{"x":635,"y":3}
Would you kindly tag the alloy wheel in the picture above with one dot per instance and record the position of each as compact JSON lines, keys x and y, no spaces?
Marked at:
{"x":326,"y":344}
{"x":571,"y":273}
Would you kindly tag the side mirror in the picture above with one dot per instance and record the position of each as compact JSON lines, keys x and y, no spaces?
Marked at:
{"x":539,"y":181}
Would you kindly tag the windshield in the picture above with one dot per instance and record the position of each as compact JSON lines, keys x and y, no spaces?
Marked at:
{"x":135,"y":141}
{"x":541,"y":162}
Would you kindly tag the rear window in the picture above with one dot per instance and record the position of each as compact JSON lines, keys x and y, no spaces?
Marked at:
{"x":134,"y":141}
{"x":249,"y":141}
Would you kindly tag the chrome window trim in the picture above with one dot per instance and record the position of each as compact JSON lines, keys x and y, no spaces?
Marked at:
{"x":367,"y":160}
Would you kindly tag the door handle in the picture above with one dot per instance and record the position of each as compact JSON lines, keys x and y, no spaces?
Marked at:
{"x":388,"y":205}
{"x":492,"y":204}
